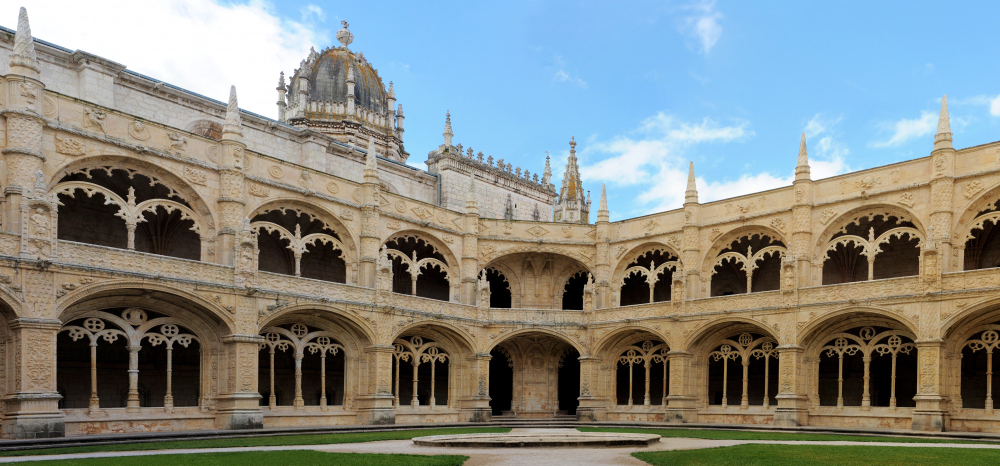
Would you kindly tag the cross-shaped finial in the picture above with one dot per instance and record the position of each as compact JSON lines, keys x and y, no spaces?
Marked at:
{"x":344,"y":22}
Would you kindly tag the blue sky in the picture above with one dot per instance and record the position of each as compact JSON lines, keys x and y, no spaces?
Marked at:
{"x":643,"y":86}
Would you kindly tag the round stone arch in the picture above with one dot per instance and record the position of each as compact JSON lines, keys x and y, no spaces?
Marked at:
{"x":495,"y":251}
{"x":10,"y":304}
{"x":852,"y":215}
{"x":358,"y":332}
{"x":436,"y":243}
{"x":608,"y":346}
{"x":565,"y":338}
{"x":710,"y":333}
{"x":331,"y":220}
{"x":727,"y":238}
{"x":636,"y":252}
{"x":820,"y":333}
{"x":204,"y":209}
{"x":208,"y":326}
{"x":96,"y":295}
{"x":562,"y":277}
{"x":463,"y":379}
{"x":513,"y":279}
{"x":983,"y":312}
{"x":814,"y":334}
{"x":972,"y":207}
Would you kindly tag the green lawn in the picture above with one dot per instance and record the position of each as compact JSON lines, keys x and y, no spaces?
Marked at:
{"x":310,"y":439}
{"x":797,"y":455}
{"x":298,"y":458}
{"x":746,"y":435}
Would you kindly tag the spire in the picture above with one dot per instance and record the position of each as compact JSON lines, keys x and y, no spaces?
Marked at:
{"x":602,"y":209}
{"x":573,"y":206}
{"x":802,"y":168}
{"x":691,"y":195}
{"x":24,"y":45}
{"x":547,"y":175}
{"x":233,"y":123}
{"x":942,"y":140}
{"x":447,"y":129}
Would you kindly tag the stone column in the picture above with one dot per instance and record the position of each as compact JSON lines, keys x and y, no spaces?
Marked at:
{"x":593,"y":403}
{"x":24,"y":122}
{"x":376,"y":404}
{"x":470,"y":247}
{"x":681,"y":403}
{"x":602,"y":255}
{"x":371,"y":210}
{"x":476,"y":406}
{"x":792,"y":407}
{"x":32,"y":402}
{"x":691,"y":253}
{"x":231,"y":180}
{"x":937,"y":250}
{"x":931,"y":410}
{"x":801,"y":225}
{"x":239,"y":404}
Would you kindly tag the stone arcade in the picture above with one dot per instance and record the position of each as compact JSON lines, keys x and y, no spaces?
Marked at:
{"x":168,"y":262}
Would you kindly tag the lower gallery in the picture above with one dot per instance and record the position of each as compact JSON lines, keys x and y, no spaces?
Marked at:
{"x":168,"y":262}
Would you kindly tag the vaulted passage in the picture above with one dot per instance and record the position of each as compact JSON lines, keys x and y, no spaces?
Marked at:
{"x":295,"y":242}
{"x":544,"y":373}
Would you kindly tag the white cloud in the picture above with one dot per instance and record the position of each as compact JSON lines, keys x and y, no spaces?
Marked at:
{"x":907,"y":129}
{"x":563,"y":76}
{"x":704,"y":25}
{"x":653,"y":160}
{"x":995,"y":106}
{"x":312,"y":10}
{"x":200,"y":45}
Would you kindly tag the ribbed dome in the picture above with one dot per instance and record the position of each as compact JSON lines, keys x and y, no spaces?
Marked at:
{"x":327,"y":75}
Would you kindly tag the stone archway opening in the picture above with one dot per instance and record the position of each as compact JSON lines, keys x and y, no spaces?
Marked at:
{"x":544,"y":376}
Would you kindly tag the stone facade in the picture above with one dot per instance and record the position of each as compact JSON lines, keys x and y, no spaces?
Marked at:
{"x":168,"y":262}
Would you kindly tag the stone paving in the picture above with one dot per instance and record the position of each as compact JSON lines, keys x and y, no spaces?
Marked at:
{"x":502,"y":456}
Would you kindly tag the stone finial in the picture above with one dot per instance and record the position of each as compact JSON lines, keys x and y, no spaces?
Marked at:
{"x":399,"y":111}
{"x":691,"y":195}
{"x":802,"y":167}
{"x":24,"y":44}
{"x":350,"y":74}
{"x":547,"y":174}
{"x":344,"y":36}
{"x":447,"y":129}
{"x":234,"y":124}
{"x":392,"y":91}
{"x":942,"y":140}
{"x":604,"y":199}
{"x":281,"y":81}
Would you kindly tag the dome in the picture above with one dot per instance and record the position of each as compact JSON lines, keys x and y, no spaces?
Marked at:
{"x":327,"y":76}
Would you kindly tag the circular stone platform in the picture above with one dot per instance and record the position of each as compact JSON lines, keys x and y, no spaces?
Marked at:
{"x":532,"y":439}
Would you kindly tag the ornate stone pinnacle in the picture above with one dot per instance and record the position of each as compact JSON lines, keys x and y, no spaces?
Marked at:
{"x":233,"y":122}
{"x":281,"y":81}
{"x":24,"y":44}
{"x":802,"y":167}
{"x":447,"y":129}
{"x":604,"y":200}
{"x":942,"y":140}
{"x":691,"y":195}
{"x":392,"y":92}
{"x":344,"y":36}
